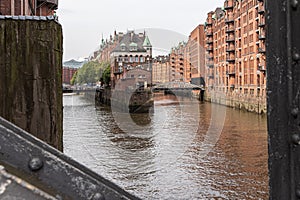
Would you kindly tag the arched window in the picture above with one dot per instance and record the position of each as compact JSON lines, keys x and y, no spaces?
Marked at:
{"x":142,"y":59}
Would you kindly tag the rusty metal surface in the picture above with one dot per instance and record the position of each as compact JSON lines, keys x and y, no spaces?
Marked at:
{"x":46,"y":168}
{"x":283,"y":84}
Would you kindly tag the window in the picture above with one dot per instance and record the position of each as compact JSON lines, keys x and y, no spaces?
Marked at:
{"x":245,"y":40}
{"x":245,"y":19}
{"x":251,"y":49}
{"x":251,"y":80}
{"x":246,"y":81}
{"x":250,"y":15}
{"x":251,"y":26}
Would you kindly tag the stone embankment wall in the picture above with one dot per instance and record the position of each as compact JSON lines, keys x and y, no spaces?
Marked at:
{"x":243,"y":102}
{"x":124,"y":100}
{"x":30,"y":76}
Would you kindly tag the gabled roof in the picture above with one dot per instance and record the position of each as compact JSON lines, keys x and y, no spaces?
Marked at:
{"x":130,"y":39}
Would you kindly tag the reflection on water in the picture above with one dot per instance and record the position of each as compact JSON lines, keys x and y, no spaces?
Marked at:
{"x":156,"y":155}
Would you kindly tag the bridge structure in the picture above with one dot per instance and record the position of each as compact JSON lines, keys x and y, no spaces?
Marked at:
{"x":68,"y":90}
{"x":176,"y":86}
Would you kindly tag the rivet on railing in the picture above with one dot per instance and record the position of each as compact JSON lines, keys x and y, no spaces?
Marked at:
{"x":294,"y":3}
{"x":296,"y":57}
{"x":296,"y":139}
{"x":35,"y":164}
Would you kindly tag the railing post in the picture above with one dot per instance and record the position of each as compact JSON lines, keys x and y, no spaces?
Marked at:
{"x":283,"y":84}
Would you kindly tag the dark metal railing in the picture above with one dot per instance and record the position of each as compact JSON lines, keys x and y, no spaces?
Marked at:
{"x":283,"y":84}
{"x":50,"y":170}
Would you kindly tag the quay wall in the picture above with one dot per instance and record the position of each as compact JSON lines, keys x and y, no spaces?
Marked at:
{"x":125,"y":100}
{"x":30,"y":80}
{"x":249,"y":102}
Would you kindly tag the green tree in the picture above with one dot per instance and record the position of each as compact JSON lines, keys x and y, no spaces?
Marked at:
{"x":74,"y":77}
{"x":106,"y":75}
{"x":90,"y":72}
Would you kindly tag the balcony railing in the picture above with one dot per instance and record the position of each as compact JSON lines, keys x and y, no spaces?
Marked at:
{"x":229,"y":29}
{"x":209,"y":41}
{"x":209,"y":48}
{"x":261,"y":9}
{"x":262,"y":37}
{"x":230,"y":58}
{"x":209,"y":33}
{"x":262,"y":66}
{"x":261,"y":50}
{"x":210,"y":57}
{"x":209,"y":23}
{"x":229,"y":19}
{"x":210,"y":64}
{"x":230,"y":39}
{"x":230,"y":49}
{"x":230,"y":72}
{"x":262,"y":23}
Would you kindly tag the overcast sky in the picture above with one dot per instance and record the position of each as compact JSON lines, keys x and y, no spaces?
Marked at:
{"x":84,"y":22}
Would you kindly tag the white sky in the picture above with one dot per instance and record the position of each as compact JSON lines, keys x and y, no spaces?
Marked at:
{"x":84,"y":21}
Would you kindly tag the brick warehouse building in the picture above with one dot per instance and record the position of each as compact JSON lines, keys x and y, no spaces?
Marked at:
{"x":235,"y":54}
{"x":28,"y":7}
{"x":132,"y":51}
{"x":187,"y":59}
{"x":196,"y":55}
{"x":67,"y":74}
{"x":161,"y":72}
{"x":180,"y":68}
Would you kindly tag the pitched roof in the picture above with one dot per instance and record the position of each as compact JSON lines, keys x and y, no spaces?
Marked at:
{"x":147,"y":42}
{"x":131,"y":39}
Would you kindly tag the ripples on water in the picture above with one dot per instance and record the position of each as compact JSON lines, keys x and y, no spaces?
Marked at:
{"x":158,"y":156}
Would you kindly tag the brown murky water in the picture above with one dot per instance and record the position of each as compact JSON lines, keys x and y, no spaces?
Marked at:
{"x":181,"y":150}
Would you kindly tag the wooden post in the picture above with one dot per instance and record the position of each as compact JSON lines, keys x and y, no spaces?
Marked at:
{"x":30,"y":76}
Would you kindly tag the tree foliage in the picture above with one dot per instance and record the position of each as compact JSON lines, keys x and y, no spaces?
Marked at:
{"x":90,"y":72}
{"x":74,"y":77}
{"x":106,"y":75}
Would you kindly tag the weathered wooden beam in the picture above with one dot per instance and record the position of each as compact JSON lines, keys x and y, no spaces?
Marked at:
{"x":30,"y":78}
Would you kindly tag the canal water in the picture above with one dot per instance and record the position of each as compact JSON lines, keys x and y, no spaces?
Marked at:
{"x":182,"y":149}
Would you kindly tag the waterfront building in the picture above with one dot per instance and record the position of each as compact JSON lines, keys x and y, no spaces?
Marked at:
{"x":69,"y":69}
{"x":106,"y":48}
{"x":180,"y":67}
{"x":235,"y":53}
{"x":132,"y":51}
{"x":161,"y":70}
{"x":196,"y":55}
{"x":28,"y":7}
{"x":67,"y":74}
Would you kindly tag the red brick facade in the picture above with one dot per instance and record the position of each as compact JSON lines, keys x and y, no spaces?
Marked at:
{"x":28,"y":7}
{"x":235,"y":45}
{"x":68,"y":74}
